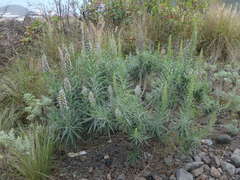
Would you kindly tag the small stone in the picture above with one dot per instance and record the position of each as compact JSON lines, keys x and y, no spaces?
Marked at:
{"x":236,"y":160}
{"x":207,"y":142}
{"x":237,"y":152}
{"x":197,"y":158}
{"x":224,"y":177}
{"x":206,"y":159}
{"x":106,"y":157}
{"x":193,"y":165}
{"x":149,"y":177}
{"x":90,"y":170}
{"x":72,"y":155}
{"x":223,"y":139}
{"x":147,"y":156}
{"x":139,"y":178}
{"x":168,"y":161}
{"x":121,"y":177}
{"x":197,"y":172}
{"x":206,"y":168}
{"x":217,"y":161}
{"x":172,"y":177}
{"x":229,"y":168}
{"x":215,"y":172}
{"x":237,"y":171}
{"x":181,"y":174}
{"x":109,"y":177}
{"x":235,"y":157}
{"x":202,"y":177}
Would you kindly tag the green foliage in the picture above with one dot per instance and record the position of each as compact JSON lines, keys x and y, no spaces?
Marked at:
{"x":146,"y":95}
{"x":219,"y":33}
{"x":29,"y":153}
{"x":35,"y":107}
{"x":20,"y":78}
{"x":233,"y":127}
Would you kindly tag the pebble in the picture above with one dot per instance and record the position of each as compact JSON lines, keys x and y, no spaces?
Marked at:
{"x":193,"y":165}
{"x":208,"y":142}
{"x":172,"y":177}
{"x":121,"y":177}
{"x":168,"y":161}
{"x":197,"y":172}
{"x":215,"y":172}
{"x":206,"y":159}
{"x":237,"y":171}
{"x":202,"y":177}
{"x":229,"y":168}
{"x":217,"y":161}
{"x":139,"y":178}
{"x":236,"y":160}
{"x":235,"y":157}
{"x":223,"y":139}
{"x":197,"y":158}
{"x":181,"y":174}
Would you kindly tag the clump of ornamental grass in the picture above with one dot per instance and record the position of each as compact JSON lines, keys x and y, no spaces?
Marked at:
{"x":29,"y":152}
{"x":220,"y":35}
{"x":24,"y":76}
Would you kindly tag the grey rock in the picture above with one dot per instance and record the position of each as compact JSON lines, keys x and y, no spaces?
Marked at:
{"x":139,"y":178}
{"x":193,"y":165}
{"x":223,"y":139}
{"x":235,"y":157}
{"x":197,"y":172}
{"x":168,"y":161}
{"x":206,"y":159}
{"x":215,"y":172}
{"x":172,"y":177}
{"x":121,"y":177}
{"x":208,"y":142}
{"x":181,"y":174}
{"x":217,"y":161}
{"x":237,"y":171}
{"x":229,"y":168}
{"x":197,"y":158}
{"x":202,"y":177}
{"x":236,"y":160}
{"x":237,"y":152}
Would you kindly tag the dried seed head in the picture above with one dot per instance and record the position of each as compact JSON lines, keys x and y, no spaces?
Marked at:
{"x":84,"y":91}
{"x":118,"y":113}
{"x":62,"y":100}
{"x":138,"y":90}
{"x":91,"y":98}
{"x":65,"y":58}
{"x":67,"y":85}
{"x":110,"y":91}
{"x":44,"y":64}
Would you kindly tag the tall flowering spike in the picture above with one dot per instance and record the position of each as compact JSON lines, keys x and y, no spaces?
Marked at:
{"x":62,"y":58}
{"x":84,"y":91}
{"x":62,"y":100}
{"x":118,"y":113}
{"x":71,"y":49}
{"x":110,"y":92}
{"x":67,"y":84}
{"x":91,"y":98}
{"x":44,"y":64}
{"x":65,"y":58}
{"x":138,"y":90}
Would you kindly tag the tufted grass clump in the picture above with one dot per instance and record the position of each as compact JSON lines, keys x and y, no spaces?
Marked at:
{"x":29,"y":153}
{"x":220,"y":34}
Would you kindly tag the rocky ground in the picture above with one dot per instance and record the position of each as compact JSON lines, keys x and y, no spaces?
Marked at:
{"x":218,"y":158}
